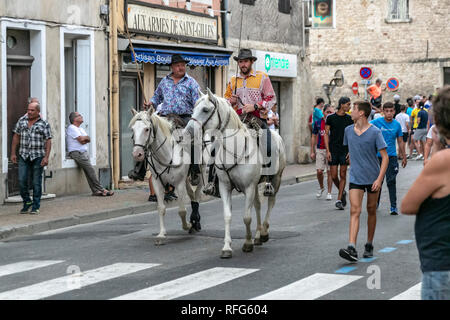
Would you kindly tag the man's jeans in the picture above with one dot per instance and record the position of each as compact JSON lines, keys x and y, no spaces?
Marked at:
{"x":33,"y":168}
{"x":391,"y":180}
{"x":436,"y":285}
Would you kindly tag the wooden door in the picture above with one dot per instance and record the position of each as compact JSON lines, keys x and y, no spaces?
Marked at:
{"x":18,"y":82}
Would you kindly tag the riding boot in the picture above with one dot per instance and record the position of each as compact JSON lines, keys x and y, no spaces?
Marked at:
{"x":195,"y":216}
{"x":139,"y":171}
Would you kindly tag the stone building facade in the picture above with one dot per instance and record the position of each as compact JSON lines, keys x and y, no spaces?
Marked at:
{"x":407,"y":40}
{"x":56,"y":51}
{"x":276,"y":29}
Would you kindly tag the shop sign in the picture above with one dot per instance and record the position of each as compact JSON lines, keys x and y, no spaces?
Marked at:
{"x":171,"y":22}
{"x":323,"y":14}
{"x":276,"y":64}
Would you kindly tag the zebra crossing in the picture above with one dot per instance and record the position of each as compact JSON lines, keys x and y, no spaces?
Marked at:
{"x":311,"y":287}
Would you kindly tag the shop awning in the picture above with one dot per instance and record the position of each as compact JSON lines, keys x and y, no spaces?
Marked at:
{"x":160,"y":56}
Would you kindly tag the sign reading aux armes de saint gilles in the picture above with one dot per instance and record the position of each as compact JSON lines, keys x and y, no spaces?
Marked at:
{"x":171,"y":23}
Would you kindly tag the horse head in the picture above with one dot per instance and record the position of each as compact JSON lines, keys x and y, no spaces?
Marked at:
{"x":142,"y":133}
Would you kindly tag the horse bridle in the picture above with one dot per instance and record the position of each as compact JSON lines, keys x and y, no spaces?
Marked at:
{"x":211,"y":115}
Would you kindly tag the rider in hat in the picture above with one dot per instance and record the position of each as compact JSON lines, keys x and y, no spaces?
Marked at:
{"x":251,"y":93}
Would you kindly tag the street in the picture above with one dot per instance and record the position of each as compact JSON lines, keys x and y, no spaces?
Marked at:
{"x":117,"y":258}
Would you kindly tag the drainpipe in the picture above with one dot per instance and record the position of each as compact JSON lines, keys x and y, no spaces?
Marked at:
{"x":114,"y":93}
{"x":225,"y":23}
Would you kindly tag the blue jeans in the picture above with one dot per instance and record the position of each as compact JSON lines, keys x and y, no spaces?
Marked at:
{"x":391,"y":180}
{"x":27,"y":167}
{"x":436,"y":285}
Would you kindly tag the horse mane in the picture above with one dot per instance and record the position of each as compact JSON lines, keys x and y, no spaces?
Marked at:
{"x":164,"y":125}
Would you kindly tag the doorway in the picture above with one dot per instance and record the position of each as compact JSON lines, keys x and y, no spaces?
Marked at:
{"x":18,"y":81}
{"x":130,"y":97}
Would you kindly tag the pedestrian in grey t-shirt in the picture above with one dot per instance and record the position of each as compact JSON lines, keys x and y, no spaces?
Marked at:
{"x":364,"y":141}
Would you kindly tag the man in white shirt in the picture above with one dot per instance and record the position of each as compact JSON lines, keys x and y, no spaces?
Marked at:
{"x":403,"y":118}
{"x":77,"y":140}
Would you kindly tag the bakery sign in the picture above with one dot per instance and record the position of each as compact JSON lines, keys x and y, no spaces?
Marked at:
{"x":172,"y":23}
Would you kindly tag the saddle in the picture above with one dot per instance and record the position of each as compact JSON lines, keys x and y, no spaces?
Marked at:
{"x":251,"y":121}
{"x":177,"y":121}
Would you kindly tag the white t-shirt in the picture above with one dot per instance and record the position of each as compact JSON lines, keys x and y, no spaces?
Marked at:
{"x":430,"y":132}
{"x":403,"y":118}
{"x":270,"y":114}
{"x":72,"y":133}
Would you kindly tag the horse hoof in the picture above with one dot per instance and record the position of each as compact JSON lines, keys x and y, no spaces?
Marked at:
{"x":159,"y":242}
{"x":265,"y":238}
{"x":257,"y":242}
{"x":226,"y":255}
{"x":247,"y":247}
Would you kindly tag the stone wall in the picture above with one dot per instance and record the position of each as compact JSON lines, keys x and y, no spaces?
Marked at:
{"x":413,"y":51}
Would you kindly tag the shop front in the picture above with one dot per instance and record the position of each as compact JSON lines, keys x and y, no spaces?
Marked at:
{"x":158,"y":33}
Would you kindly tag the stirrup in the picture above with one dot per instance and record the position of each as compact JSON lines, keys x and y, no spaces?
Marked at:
{"x":211,"y":190}
{"x":269,"y":190}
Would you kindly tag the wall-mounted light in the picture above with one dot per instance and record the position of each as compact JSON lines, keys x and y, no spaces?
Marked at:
{"x":210,"y":11}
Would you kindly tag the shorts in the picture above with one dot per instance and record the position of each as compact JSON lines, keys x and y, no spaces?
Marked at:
{"x":321,"y":159}
{"x":338,"y":159}
{"x":420,"y":134}
{"x":405,"y":137}
{"x":365,"y":187}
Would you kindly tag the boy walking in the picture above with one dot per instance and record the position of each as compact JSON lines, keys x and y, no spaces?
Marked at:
{"x":363,"y":140}
{"x":392,"y":132}
{"x":319,"y":152}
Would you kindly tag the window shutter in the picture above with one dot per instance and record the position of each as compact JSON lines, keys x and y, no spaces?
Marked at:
{"x":83,"y":87}
{"x":284,"y":6}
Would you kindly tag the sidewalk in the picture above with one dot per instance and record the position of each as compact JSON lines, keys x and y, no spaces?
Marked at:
{"x":68,"y":211}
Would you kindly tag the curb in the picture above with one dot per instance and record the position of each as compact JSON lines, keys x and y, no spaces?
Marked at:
{"x":79,"y":219}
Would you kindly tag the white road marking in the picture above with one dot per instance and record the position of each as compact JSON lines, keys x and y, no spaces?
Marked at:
{"x":310,"y":288}
{"x":25,"y":266}
{"x":73,"y":281}
{"x":412,"y":293}
{"x":188,"y":284}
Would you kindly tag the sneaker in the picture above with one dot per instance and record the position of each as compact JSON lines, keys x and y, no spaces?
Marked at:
{"x":408,"y":157}
{"x":419,"y":157}
{"x":34,"y":211}
{"x":339,"y":205}
{"x":329,"y":197}
{"x":394,"y":211}
{"x":319,"y":192}
{"x":368,"y":250}
{"x":152,"y":198}
{"x":26,"y":207}
{"x":344,"y":198}
{"x":349,"y":254}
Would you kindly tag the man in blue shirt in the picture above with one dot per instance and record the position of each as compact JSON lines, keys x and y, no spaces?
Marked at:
{"x":392,"y":132}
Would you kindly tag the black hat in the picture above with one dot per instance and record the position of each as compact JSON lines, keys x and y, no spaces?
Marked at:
{"x":245,"y":54}
{"x":177,"y":58}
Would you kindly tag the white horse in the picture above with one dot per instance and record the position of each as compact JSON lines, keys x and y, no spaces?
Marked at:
{"x":154,"y":142}
{"x":238,"y":164}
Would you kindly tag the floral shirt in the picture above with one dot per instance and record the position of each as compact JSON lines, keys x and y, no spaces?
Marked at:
{"x":177,"y":98}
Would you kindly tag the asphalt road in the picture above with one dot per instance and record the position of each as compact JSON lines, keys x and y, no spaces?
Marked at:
{"x":117,"y":259}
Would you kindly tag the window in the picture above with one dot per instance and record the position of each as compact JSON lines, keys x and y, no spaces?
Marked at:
{"x":398,"y":10}
{"x":77,"y":86}
{"x":446,"y":76}
{"x":284,"y":6}
{"x":249,"y":2}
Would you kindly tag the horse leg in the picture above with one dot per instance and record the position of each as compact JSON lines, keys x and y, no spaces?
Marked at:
{"x":257,"y":203}
{"x":270,"y":205}
{"x":159,"y":191}
{"x":181,"y":188}
{"x":249,"y":200}
{"x":225,"y":193}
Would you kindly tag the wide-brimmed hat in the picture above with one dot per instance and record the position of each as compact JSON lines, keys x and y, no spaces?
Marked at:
{"x":177,"y":58}
{"x":245,"y":54}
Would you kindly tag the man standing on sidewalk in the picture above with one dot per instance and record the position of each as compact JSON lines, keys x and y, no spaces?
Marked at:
{"x":364,"y":140}
{"x":34,"y":136}
{"x":392,"y":132}
{"x":336,"y":151}
{"x":319,"y":152}
{"x":77,"y":140}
